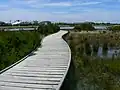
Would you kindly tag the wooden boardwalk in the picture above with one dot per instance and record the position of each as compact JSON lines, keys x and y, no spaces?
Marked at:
{"x":44,"y":69}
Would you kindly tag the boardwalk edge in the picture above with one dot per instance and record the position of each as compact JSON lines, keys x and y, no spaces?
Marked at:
{"x":59,"y":87}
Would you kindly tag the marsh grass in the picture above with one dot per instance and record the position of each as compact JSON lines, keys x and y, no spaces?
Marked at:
{"x":94,"y":73}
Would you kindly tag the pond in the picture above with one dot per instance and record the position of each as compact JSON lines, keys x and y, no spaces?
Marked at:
{"x":100,"y":27}
{"x":109,"y":53}
{"x":18,"y":29}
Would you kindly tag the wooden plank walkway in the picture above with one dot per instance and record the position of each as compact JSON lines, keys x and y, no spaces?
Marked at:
{"x":45,"y":69}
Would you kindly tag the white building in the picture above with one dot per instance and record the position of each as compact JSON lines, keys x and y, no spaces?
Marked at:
{"x":16,"y":22}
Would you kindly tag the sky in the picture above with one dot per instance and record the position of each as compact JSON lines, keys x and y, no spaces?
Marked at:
{"x":61,"y":10}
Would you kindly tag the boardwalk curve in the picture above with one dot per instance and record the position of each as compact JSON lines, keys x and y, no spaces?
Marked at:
{"x":44,"y":69}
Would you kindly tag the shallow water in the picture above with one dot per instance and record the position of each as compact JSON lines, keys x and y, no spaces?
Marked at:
{"x":17,"y":29}
{"x":109,"y":53}
{"x":100,"y":27}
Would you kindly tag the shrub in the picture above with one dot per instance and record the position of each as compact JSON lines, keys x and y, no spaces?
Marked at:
{"x":114,"y":28}
{"x":95,"y":47}
{"x":84,"y":27}
{"x":15,"y":45}
{"x":48,"y":28}
{"x":88,"y":50}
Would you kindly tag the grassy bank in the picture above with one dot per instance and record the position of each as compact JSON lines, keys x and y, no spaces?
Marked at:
{"x":90,"y":72}
{"x":15,"y":45}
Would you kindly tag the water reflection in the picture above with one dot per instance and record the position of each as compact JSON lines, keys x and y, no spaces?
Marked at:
{"x":108,"y":53}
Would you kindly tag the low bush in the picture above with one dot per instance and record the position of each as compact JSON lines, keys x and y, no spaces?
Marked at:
{"x":84,"y":27}
{"x":15,"y":45}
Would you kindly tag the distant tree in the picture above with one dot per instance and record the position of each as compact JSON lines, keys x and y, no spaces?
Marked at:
{"x":87,"y":27}
{"x":25,"y":23}
{"x":48,"y":28}
{"x":45,"y":22}
{"x":35,"y":22}
{"x":84,"y":27}
{"x":2,"y":23}
{"x":77,"y":28}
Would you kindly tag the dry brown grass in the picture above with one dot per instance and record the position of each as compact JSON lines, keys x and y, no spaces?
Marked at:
{"x":113,"y":39}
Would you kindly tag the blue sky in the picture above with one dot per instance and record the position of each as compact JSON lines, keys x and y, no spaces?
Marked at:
{"x":61,"y":10}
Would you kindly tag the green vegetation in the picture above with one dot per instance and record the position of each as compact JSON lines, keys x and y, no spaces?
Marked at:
{"x":92,"y":23}
{"x":92,"y":72}
{"x":48,"y":28}
{"x":114,"y":28}
{"x":14,"y":45}
{"x":84,"y":27}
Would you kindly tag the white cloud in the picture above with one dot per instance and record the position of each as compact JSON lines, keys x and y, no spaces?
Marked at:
{"x":58,"y":4}
{"x":31,"y":1}
{"x":89,"y":3}
{"x":47,"y":3}
{"x":98,"y":16}
{"x":71,"y":3}
{"x":59,"y":12}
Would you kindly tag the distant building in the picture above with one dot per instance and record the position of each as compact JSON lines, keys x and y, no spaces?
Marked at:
{"x":17,"y":22}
